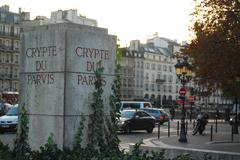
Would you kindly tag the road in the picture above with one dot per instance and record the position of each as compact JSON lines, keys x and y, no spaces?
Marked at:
{"x":134,"y":136}
{"x":137,"y":136}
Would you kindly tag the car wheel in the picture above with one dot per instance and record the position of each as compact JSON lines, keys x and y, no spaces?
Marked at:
{"x":150,"y":129}
{"x":128,"y":129}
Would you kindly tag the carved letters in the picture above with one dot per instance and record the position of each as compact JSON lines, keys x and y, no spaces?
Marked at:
{"x":40,"y":55}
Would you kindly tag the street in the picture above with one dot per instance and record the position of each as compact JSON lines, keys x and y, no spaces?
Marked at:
{"x":136,"y":136}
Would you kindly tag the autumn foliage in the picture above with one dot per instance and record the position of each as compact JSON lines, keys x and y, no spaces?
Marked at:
{"x":215,"y":48}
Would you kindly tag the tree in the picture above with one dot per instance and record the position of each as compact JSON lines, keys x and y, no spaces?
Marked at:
{"x":215,"y":48}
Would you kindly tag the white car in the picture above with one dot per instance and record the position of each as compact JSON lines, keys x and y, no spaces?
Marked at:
{"x":9,"y":121}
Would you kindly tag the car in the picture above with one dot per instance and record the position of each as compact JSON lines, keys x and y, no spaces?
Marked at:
{"x":136,"y":120}
{"x":160,"y":115}
{"x":9,"y":121}
{"x":135,"y":105}
{"x":232,"y":120}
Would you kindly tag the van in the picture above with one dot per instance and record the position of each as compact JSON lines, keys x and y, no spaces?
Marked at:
{"x":135,"y":105}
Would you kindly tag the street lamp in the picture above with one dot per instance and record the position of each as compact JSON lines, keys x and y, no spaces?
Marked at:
{"x":235,"y":127}
{"x":184,"y":74}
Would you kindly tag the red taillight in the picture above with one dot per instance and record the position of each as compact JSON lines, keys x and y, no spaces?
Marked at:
{"x":162,"y":117}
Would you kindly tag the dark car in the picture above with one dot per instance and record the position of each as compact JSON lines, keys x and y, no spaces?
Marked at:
{"x":136,"y":120}
{"x":232,"y":119}
{"x":160,"y":115}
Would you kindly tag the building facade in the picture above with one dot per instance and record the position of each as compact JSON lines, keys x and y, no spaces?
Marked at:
{"x":148,"y":73}
{"x":60,"y":16}
{"x":9,"y":49}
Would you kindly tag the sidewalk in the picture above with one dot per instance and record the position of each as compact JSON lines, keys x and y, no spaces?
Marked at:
{"x":221,"y":147}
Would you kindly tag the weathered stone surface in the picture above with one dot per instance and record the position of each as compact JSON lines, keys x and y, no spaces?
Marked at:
{"x":57,"y":77}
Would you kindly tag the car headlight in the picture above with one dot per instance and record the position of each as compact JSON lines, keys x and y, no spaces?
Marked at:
{"x":122,"y":122}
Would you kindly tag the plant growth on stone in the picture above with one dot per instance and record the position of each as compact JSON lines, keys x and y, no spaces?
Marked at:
{"x":114,"y":102}
{"x":22,"y":148}
{"x":96,"y":141}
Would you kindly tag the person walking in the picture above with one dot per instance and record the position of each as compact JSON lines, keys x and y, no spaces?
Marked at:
{"x":172,"y":112}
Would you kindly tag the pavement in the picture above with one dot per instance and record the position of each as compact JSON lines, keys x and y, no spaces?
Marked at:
{"x":221,"y":143}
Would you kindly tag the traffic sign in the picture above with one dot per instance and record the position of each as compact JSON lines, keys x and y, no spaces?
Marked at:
{"x":182,"y":91}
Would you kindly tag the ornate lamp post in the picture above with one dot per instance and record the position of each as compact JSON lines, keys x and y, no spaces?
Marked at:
{"x":184,"y":74}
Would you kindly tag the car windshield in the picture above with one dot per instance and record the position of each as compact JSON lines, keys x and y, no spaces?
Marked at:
{"x":127,"y":114}
{"x":131,"y":105}
{"x":13,"y":111}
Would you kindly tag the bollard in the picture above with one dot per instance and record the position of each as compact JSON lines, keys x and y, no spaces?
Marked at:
{"x":232,"y":134}
{"x":211,"y":136}
{"x":159,"y":130}
{"x":168,"y":128}
{"x":178,"y":128}
{"x":186,"y":127}
{"x":216,"y":125}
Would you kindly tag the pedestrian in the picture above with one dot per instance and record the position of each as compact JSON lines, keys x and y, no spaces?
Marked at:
{"x":172,"y":112}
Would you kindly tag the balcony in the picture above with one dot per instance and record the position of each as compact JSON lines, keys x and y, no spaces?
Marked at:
{"x":160,"y":81}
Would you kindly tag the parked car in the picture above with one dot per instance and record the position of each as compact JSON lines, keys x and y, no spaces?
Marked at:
{"x":160,"y":115}
{"x":9,"y":121}
{"x":232,"y":119}
{"x":136,"y":120}
{"x":135,"y":105}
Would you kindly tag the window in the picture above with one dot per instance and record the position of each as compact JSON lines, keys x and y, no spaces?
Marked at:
{"x":159,"y":67}
{"x":147,"y":66}
{"x":8,"y":58}
{"x":170,"y":68}
{"x":164,"y":88}
{"x":16,"y":72}
{"x":6,"y":70}
{"x":159,"y":87}
{"x":164,"y":77}
{"x":3,"y":17}
{"x":170,"y":78}
{"x":165,"y":68}
{"x":153,"y":66}
{"x":1,"y":28}
{"x":152,"y":87}
{"x":147,"y":76}
{"x":146,"y":87}
{"x":170,"y":89}
{"x":153,"y":77}
{"x":129,"y":83}
{"x":142,"y":114}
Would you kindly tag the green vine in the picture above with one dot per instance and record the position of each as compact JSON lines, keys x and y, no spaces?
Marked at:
{"x":114,"y":102}
{"x":79,"y":134}
{"x":96,"y":141}
{"x":21,"y":147}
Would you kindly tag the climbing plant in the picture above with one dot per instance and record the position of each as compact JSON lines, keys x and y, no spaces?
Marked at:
{"x":114,"y":102}
{"x":96,"y":141}
{"x":21,"y":147}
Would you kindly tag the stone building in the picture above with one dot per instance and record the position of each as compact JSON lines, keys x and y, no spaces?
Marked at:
{"x":148,"y":73}
{"x":60,"y":16}
{"x":9,"y":49}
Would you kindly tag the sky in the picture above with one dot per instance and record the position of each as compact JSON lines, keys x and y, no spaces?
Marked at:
{"x":127,"y":19}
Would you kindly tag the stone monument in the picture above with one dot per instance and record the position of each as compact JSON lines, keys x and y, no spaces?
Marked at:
{"x":57,"y":77}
